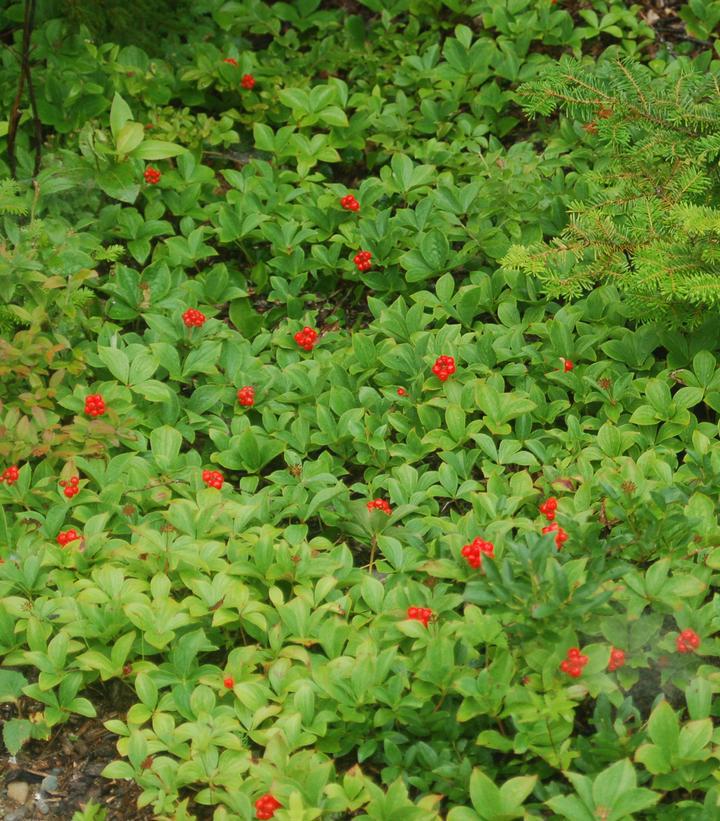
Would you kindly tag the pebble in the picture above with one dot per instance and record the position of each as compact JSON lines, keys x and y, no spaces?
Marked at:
{"x":49,"y":783}
{"x":18,"y":791}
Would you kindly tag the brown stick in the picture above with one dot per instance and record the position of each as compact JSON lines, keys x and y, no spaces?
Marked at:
{"x":25,"y":75}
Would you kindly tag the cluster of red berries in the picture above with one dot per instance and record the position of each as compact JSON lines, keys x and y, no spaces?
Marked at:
{"x":94,"y":405}
{"x":617,"y":660}
{"x":379,"y":504}
{"x":474,"y":552}
{"x":231,"y":60}
{"x":568,"y":365}
{"x":349,"y":203}
{"x":548,"y":507}
{"x":213,"y":478}
{"x":266,"y":805}
{"x":64,"y":537}
{"x":574,"y":663}
{"x":306,"y":338}
{"x":229,"y":682}
{"x":687,"y":641}
{"x":444,"y":366}
{"x":423,"y":614}
{"x":362,"y":260}
{"x":193,"y":318}
{"x":70,"y":488}
{"x":152,"y":175}
{"x":10,"y":475}
{"x":246,"y":396}
{"x":560,"y":535}
{"x":247,"y":81}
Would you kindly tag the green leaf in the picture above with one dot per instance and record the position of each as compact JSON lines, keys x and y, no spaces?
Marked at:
{"x":165,"y":443}
{"x":129,"y":137}
{"x":157,"y":150}
{"x":434,"y":248}
{"x":485,"y":796}
{"x":16,"y":732}
{"x":119,"y":115}
{"x":119,"y":182}
{"x":613,"y":782}
{"x":663,"y":728}
{"x":11,"y":685}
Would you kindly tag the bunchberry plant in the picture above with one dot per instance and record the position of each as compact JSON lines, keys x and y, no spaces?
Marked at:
{"x":379,"y":504}
{"x":560,"y":535}
{"x":617,"y":659}
{"x":548,"y":508}
{"x":574,"y":662}
{"x":247,"y":81}
{"x":70,"y":488}
{"x":67,"y":536}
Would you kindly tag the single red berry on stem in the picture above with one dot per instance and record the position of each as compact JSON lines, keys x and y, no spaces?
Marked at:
{"x":568,"y":365}
{"x":247,"y":81}
{"x":94,"y":405}
{"x":444,"y":367}
{"x":229,"y":682}
{"x":401,"y":392}
{"x":246,"y":396}
{"x":152,"y":175}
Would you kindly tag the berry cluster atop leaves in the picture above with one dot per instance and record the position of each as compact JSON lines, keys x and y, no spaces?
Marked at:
{"x":247,"y":81}
{"x":379,"y":504}
{"x":548,"y":508}
{"x":193,"y":318}
{"x":560,"y":535}
{"x":349,"y":203}
{"x":617,"y":660}
{"x":423,"y":614}
{"x":246,"y":396}
{"x":213,"y":478}
{"x":444,"y":367}
{"x":152,"y":175}
{"x":474,"y":552}
{"x":70,"y":488}
{"x":687,"y":641}
{"x":362,"y":260}
{"x":94,"y":405}
{"x":574,"y":663}
{"x":229,"y":682}
{"x":266,"y":805}
{"x":306,"y":338}
{"x":10,"y":475}
{"x":231,"y":60}
{"x":66,"y":536}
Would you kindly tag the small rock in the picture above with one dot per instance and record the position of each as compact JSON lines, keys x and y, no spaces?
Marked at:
{"x":18,"y":791}
{"x":49,"y":783}
{"x":41,"y":806}
{"x":17,"y":815}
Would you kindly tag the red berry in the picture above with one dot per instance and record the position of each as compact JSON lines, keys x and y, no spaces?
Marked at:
{"x":266,"y":805}
{"x":70,"y":492}
{"x":379,"y":504}
{"x":687,"y":641}
{"x":94,"y":405}
{"x":152,"y":175}
{"x":401,"y":392}
{"x":213,"y":478}
{"x":444,"y":367}
{"x":617,"y":659}
{"x":548,"y":507}
{"x":560,"y":535}
{"x":67,"y":536}
{"x":247,"y":81}
{"x":246,"y":396}
{"x":349,"y":203}
{"x":231,"y":60}
{"x":229,"y":682}
{"x":362,"y":260}
{"x":75,"y":480}
{"x":127,"y":669}
{"x":306,"y":338}
{"x":567,"y":365}
{"x":423,"y":614}
{"x":10,"y":475}
{"x":193,"y":318}
{"x":474,"y":552}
